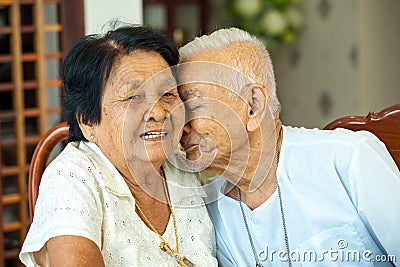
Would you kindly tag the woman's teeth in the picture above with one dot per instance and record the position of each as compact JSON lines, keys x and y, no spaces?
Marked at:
{"x":152,"y":135}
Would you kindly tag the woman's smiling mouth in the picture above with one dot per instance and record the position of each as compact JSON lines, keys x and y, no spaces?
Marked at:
{"x":153,"y":135}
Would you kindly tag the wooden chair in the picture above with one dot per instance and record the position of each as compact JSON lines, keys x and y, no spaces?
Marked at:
{"x":40,"y":160}
{"x":2,"y":261}
{"x":385,"y":125}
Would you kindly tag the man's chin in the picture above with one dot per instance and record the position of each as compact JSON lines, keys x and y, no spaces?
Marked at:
{"x":199,"y":160}
{"x":193,"y":155}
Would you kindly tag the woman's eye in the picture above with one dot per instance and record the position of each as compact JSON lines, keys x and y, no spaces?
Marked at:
{"x":135,"y":97}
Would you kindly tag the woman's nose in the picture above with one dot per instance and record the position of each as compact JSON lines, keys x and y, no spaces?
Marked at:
{"x":156,"y":112}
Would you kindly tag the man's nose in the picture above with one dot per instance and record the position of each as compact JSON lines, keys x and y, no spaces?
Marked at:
{"x":187,"y":129}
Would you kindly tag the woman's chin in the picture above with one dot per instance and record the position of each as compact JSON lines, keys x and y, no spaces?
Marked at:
{"x":156,"y":154}
{"x":151,"y":152}
{"x":155,"y":157}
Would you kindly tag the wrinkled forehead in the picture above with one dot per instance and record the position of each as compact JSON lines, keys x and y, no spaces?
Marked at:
{"x":212,"y":73}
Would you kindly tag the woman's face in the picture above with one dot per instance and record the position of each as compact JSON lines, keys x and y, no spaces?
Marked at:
{"x":142,"y":115}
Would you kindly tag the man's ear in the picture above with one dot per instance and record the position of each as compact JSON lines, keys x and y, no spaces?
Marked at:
{"x":87,"y":130}
{"x":257,"y":100}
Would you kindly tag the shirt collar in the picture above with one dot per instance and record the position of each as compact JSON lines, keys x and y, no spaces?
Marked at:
{"x":183,"y":186}
{"x":113,"y":180}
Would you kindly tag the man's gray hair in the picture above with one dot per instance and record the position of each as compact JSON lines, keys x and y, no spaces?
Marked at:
{"x":258,"y":68}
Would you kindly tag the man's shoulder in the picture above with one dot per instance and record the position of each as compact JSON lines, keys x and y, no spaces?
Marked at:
{"x":324,"y":152}
{"x":300,"y":136}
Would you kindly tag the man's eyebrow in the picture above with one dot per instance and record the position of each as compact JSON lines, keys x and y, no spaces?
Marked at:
{"x":191,"y":91}
{"x":169,"y":81}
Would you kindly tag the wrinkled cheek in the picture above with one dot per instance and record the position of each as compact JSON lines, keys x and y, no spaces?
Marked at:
{"x":128,"y":146}
{"x":222,"y":140}
{"x":178,"y":132}
{"x":202,"y":126}
{"x":177,"y":117}
{"x":128,"y":141}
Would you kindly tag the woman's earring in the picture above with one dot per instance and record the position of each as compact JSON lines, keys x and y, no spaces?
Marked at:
{"x":92,"y":137}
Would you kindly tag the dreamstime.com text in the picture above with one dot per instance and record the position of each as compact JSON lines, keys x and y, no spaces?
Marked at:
{"x":339,"y":254}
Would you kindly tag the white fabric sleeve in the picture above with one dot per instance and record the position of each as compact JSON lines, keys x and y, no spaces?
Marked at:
{"x":68,"y":204}
{"x":375,"y":182}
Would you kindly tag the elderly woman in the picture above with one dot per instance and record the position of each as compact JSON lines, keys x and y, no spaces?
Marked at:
{"x":110,"y":198}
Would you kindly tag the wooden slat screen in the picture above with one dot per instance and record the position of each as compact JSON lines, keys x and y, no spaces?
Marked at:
{"x":34,"y":37}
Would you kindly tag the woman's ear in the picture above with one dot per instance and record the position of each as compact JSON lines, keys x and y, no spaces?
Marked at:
{"x":257,"y":100}
{"x":88,"y":131}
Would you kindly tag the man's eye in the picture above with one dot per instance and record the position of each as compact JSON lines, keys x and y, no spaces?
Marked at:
{"x":168,"y":94}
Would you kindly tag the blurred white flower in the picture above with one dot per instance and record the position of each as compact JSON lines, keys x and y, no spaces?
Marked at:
{"x":294,"y":18}
{"x":274,"y":22}
{"x":248,"y":7}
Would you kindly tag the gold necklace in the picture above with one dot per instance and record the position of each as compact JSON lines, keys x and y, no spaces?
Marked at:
{"x":164,"y":246}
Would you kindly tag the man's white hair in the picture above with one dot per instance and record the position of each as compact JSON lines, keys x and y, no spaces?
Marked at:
{"x":258,"y":67}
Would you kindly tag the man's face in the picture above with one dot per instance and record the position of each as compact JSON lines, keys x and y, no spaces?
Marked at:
{"x":216,"y":116}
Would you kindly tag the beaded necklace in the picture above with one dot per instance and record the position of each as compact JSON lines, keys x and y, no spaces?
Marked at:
{"x":239,"y":196}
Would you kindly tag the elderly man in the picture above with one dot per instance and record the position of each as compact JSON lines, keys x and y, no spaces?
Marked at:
{"x":284,"y":196}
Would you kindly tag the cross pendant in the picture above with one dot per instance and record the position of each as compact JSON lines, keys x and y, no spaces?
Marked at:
{"x":184,"y":262}
{"x":181,"y":260}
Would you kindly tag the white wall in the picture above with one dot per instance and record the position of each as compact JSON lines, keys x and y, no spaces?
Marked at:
{"x":379,"y":54}
{"x":345,"y":62}
{"x":98,"y":12}
{"x":316,"y":77}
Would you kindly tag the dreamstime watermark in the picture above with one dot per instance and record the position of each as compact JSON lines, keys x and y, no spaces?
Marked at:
{"x":339,"y":254}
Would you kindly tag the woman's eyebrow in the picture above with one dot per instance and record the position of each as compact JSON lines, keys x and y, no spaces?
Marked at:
{"x":136,"y":84}
{"x":131,"y":84}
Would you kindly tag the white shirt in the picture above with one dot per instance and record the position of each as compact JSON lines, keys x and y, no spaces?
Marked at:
{"x":82,"y":193}
{"x":341,"y":200}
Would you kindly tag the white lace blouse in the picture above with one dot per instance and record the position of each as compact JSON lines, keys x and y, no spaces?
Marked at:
{"x":82,"y":194}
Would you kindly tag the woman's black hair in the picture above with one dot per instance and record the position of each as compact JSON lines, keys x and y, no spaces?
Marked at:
{"x":88,"y":65}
